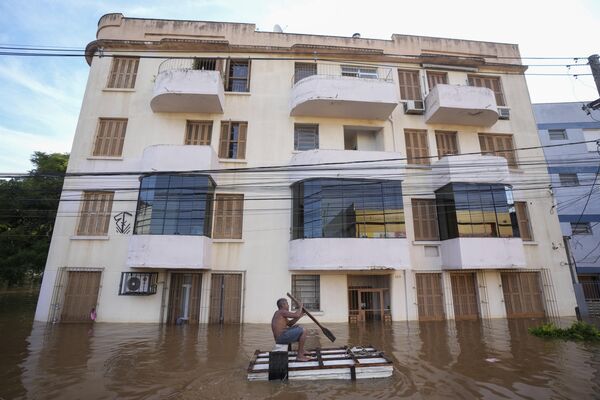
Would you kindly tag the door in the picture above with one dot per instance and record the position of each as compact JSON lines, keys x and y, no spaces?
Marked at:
{"x":430,"y":298}
{"x":225,"y":299}
{"x":522,"y":294}
{"x":184,"y":298}
{"x":81,"y":295}
{"x":464,"y":296}
{"x":371,"y":305}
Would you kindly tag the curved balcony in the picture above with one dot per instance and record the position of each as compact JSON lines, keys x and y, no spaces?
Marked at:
{"x":461,"y":105}
{"x":181,"y":88}
{"x":344,"y":97}
{"x":168,"y":157}
{"x":169,"y":251}
{"x":345,"y":254}
{"x":483,"y":253}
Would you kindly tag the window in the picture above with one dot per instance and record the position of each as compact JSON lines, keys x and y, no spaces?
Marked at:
{"x":490,"y":82}
{"x":425,"y":219}
{"x":359,"y":72}
{"x":123,"y":73}
{"x":568,"y":179}
{"x":581,"y":228}
{"x":498,"y":145}
{"x":588,"y":136}
{"x":347,"y":208}
{"x":198,"y":133}
{"x":233,"y":140}
{"x":237,"y":78}
{"x":175,"y":205}
{"x":307,"y":289}
{"x":95,"y":213}
{"x":557,"y":134}
{"x":229,"y":213}
{"x":523,"y":220}
{"x":304,"y":70}
{"x":306,"y":137}
{"x":434,"y":78}
{"x":207,"y":64}
{"x":417,"y":146}
{"x":476,"y":210}
{"x":410,"y":86}
{"x":447,"y":143}
{"x":110,"y":137}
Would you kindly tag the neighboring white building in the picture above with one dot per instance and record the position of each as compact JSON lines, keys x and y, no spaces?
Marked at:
{"x":214,"y":168}
{"x":573,"y":163}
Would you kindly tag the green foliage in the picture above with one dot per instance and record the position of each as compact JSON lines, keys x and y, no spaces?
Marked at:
{"x":577,"y":331}
{"x":27,"y":212}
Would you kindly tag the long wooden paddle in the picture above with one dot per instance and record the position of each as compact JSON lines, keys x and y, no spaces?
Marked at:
{"x":326,"y":331}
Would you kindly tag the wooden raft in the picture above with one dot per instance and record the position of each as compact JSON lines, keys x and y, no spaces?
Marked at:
{"x":328,"y":363}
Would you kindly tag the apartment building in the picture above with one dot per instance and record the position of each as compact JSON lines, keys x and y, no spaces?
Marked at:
{"x":572,"y":154}
{"x":215,"y":168}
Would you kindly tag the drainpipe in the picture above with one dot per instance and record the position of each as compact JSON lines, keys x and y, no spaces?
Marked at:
{"x":393,"y":133}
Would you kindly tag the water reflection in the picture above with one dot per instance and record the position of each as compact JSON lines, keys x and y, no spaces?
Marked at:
{"x":466,"y":359}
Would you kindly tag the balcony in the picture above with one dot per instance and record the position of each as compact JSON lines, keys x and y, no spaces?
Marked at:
{"x":471,"y":168}
{"x":344,"y":92}
{"x":179,"y":87}
{"x":169,"y":251}
{"x":348,"y":254}
{"x":482,"y":253}
{"x":461,"y":105}
{"x":168,"y":157}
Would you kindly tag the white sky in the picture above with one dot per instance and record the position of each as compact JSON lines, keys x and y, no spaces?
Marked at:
{"x":40,"y":97}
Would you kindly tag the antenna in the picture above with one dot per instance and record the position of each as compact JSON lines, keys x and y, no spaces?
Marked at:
{"x":277,"y":28}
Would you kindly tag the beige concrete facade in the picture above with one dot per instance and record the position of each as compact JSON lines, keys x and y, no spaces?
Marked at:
{"x":265,"y":256}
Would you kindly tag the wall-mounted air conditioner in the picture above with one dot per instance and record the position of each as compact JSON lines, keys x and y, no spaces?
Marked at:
{"x":503,"y":113}
{"x":138,"y":283}
{"x":414,"y":107}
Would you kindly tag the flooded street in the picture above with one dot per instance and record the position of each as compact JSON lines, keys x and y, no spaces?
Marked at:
{"x":489,"y":359}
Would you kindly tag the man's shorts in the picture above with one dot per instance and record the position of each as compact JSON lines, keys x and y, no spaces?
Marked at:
{"x":290,"y":335}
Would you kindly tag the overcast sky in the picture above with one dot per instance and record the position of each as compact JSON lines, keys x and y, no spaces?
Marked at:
{"x":40,"y":97}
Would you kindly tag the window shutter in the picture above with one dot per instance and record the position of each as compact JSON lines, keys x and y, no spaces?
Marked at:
{"x":110,"y":137}
{"x":95,"y":213}
{"x":226,"y":74}
{"x":198,"y":133}
{"x":224,"y":142}
{"x":241,"y":146}
{"x":446,"y":143}
{"x":500,"y":145}
{"x":417,"y":147}
{"x":248,"y":77}
{"x":523,"y":220}
{"x":123,"y":73}
{"x":435,"y":78}
{"x":228,"y":216}
{"x":410,"y":87}
{"x":425,"y":219}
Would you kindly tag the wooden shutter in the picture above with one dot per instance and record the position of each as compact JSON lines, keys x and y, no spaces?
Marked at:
{"x":425,"y":219}
{"x":225,"y":298}
{"x":196,"y":292}
{"x":499,"y":145}
{"x":241,"y":145}
{"x":464,"y":296}
{"x":417,"y":147}
{"x":95,"y":213}
{"x":248,"y":76}
{"x":123,"y":73}
{"x":430,"y":297}
{"x":228,"y":220}
{"x":522,"y":294}
{"x":523,"y":220}
{"x":447,"y":143}
{"x":110,"y":137}
{"x":410,"y":86}
{"x":175,"y":295}
{"x":490,"y":82}
{"x":81,"y":295}
{"x":434,"y":78}
{"x":224,"y":140}
{"x":198,"y":133}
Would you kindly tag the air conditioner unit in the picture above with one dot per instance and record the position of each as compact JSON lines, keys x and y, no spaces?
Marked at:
{"x":503,"y":113}
{"x":138,"y":283}
{"x":414,"y":107}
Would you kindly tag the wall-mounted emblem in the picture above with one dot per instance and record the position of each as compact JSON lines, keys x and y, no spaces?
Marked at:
{"x":123,"y":223}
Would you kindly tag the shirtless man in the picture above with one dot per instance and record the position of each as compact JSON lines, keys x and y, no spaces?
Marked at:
{"x":284,"y":330}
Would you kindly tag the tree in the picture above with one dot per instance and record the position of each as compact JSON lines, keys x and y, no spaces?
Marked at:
{"x":27,"y":212}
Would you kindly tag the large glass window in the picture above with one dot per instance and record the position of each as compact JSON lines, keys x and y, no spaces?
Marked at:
{"x":476,"y":210}
{"x":175,"y":205}
{"x":347,"y":208}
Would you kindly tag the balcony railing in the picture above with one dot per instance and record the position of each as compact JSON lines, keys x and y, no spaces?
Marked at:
{"x":184,"y":64}
{"x":591,"y":290}
{"x":341,"y":71}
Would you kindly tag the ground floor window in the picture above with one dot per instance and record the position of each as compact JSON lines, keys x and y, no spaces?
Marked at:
{"x":307,"y":289}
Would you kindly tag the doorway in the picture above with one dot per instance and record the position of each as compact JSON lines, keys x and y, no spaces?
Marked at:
{"x":184,"y":298}
{"x":464,"y":296}
{"x":225,"y":299}
{"x":81,"y":295}
{"x":368,"y":298}
{"x":430,"y":297}
{"x":523,"y":294}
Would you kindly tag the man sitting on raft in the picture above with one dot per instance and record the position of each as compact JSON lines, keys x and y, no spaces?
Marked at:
{"x":284,"y":330}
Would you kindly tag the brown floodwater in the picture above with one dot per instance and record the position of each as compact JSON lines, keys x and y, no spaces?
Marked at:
{"x":491,"y":359}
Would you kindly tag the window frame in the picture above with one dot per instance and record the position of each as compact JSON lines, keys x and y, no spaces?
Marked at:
{"x":576,"y":229}
{"x":434,"y":76}
{"x":226,"y":223}
{"x":570,"y":179}
{"x":562,"y":132}
{"x":495,"y":139}
{"x":411,"y":89}
{"x":316,"y":283}
{"x":416,"y":153}
{"x":109,"y":139}
{"x":198,"y":133}
{"x":95,"y":209}
{"x":226,"y":141}
{"x":128,"y":78}
{"x":357,"y":71}
{"x":446,"y":139}
{"x":425,"y":218}
{"x":230,"y":76}
{"x":297,"y":131}
{"x":304,"y":70}
{"x":481,"y":80}
{"x":524,"y":221}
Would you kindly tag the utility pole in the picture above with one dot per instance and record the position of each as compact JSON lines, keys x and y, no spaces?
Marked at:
{"x":594,"y":62}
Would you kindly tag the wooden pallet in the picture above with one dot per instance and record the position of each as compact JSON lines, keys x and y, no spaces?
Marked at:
{"x":328,"y":363}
